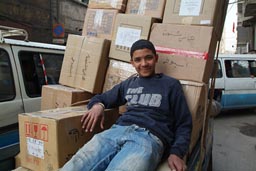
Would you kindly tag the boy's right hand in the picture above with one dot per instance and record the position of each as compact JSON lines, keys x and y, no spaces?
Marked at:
{"x":92,"y":117}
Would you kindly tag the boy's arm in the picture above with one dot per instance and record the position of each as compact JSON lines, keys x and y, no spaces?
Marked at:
{"x":110,"y":99}
{"x":183,"y":128}
{"x":98,"y":103}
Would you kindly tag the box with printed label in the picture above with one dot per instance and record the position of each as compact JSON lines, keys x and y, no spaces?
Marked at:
{"x":185,"y":52}
{"x":196,"y":12}
{"x":85,"y":63}
{"x":108,"y":4}
{"x":128,"y":29}
{"x":152,"y":8}
{"x":99,"y":23}
{"x":59,"y":96}
{"x":49,"y":138}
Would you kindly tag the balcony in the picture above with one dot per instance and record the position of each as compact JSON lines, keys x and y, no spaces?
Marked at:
{"x":250,"y":8}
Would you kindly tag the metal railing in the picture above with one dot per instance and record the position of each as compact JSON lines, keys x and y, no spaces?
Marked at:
{"x":11,"y":31}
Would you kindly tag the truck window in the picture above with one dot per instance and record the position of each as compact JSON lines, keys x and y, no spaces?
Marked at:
{"x":237,"y":68}
{"x":39,"y":69}
{"x":52,"y":63}
{"x":219,"y":71}
{"x":252,"y":65}
{"x":7,"y":89}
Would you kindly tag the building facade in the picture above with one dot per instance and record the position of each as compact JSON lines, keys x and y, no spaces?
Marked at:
{"x":246,"y":29}
{"x":47,"y":21}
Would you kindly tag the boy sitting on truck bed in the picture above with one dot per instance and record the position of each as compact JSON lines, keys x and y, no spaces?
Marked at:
{"x":156,"y":125}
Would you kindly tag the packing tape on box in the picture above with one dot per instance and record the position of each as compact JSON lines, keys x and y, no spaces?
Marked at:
{"x":192,"y":83}
{"x":142,"y":7}
{"x":172,"y":51}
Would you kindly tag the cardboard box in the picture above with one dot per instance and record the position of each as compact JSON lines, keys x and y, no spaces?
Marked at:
{"x":108,"y":4}
{"x":185,"y":52}
{"x":196,"y":95}
{"x":117,"y":72}
{"x":200,"y":12}
{"x":128,"y":29}
{"x":152,"y":8}
{"x":85,"y":63}
{"x":59,"y":96}
{"x":99,"y":23}
{"x":48,"y":139}
{"x":17,"y":161}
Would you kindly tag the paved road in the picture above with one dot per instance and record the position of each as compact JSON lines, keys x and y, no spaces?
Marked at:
{"x":234,"y":146}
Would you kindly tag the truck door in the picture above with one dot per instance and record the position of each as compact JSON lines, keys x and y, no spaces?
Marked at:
{"x":36,"y":67}
{"x":10,"y":97}
{"x":240,"y":89}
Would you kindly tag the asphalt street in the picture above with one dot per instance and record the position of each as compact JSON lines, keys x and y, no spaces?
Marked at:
{"x":234,"y":145}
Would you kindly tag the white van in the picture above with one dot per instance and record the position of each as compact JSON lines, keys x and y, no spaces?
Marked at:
{"x":24,"y":67}
{"x":235,"y":85}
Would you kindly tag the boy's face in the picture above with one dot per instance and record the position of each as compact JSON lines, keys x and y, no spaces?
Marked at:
{"x":144,"y":61}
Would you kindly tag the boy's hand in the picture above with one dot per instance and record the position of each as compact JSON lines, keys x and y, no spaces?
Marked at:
{"x":92,"y":117}
{"x":175,"y":163}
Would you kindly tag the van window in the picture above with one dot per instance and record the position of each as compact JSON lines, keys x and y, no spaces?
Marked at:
{"x":219,"y":71}
{"x":252,"y":65}
{"x":7,"y":89}
{"x":238,"y":68}
{"x":52,"y":63}
{"x":39,"y":69}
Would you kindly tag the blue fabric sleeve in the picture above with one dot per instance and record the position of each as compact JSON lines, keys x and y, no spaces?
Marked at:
{"x":183,"y":123}
{"x":111,"y":99}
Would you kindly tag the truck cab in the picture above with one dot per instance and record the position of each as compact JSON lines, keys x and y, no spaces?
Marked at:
{"x":24,"y":68}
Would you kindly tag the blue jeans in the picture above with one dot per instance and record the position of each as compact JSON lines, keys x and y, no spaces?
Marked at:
{"x":120,"y":148}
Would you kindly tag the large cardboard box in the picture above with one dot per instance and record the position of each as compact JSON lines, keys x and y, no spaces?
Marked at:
{"x":85,"y":63}
{"x":152,"y":8}
{"x":128,"y":29}
{"x":108,"y":4}
{"x":48,"y":139}
{"x":99,"y":23}
{"x":196,"y":95}
{"x":71,"y":59}
{"x":185,"y":52}
{"x":59,"y":96}
{"x":17,"y":161}
{"x":117,"y":72}
{"x":196,"y":12}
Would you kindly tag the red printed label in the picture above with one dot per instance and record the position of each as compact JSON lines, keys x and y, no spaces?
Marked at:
{"x":37,"y":131}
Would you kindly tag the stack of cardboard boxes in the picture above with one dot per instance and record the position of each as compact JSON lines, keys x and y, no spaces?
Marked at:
{"x":49,"y":138}
{"x":185,"y":34}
